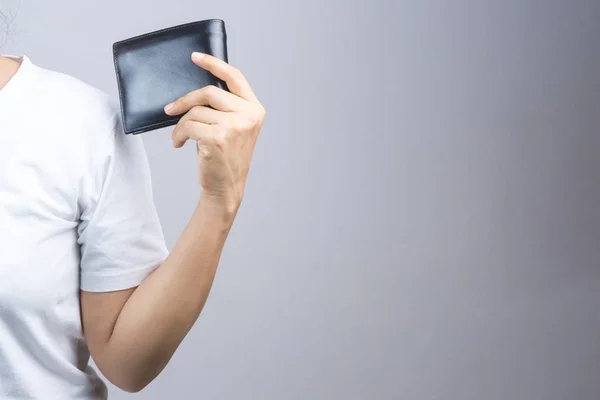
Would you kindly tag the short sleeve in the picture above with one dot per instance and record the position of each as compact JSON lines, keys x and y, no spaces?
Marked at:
{"x":119,"y":233}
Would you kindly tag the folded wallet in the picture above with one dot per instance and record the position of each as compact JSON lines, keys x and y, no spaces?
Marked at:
{"x":156,"y":68}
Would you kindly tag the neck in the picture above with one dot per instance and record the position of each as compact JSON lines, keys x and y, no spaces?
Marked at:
{"x":8,"y":68}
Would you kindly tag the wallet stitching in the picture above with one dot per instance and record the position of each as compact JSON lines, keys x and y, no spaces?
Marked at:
{"x":134,"y":38}
{"x":155,"y":125}
{"x":158,"y":124}
{"x":145,"y":35}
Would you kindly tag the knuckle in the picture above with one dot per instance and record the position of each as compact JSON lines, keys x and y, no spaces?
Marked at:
{"x":219,"y":143}
{"x":237,"y":74}
{"x":186,"y":123}
{"x":256,"y":118}
{"x":262,"y":111}
{"x":210,"y":90}
{"x":188,"y":126}
{"x":179,"y":126}
{"x":240,"y":124}
{"x":196,"y":111}
{"x":217,"y":140}
{"x":258,"y":113}
{"x":251,"y":121}
{"x":182,"y":102}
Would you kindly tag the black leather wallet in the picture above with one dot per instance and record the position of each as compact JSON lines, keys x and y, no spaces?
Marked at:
{"x":156,"y":68}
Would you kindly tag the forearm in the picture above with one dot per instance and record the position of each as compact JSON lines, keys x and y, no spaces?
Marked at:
{"x":162,"y":310}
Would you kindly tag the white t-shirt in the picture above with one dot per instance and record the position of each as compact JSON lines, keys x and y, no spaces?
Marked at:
{"x":76,"y":212}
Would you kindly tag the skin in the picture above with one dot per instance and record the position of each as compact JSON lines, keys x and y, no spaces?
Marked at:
{"x":132,"y":334}
{"x":8,"y":67}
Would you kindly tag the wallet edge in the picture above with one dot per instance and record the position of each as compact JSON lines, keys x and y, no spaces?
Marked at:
{"x":115,"y":48}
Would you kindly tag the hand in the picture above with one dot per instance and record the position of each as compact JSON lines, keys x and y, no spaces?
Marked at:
{"x":225,"y":134}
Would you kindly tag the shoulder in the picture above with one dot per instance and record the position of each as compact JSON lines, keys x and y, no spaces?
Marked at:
{"x":84,"y":122}
{"x":82,"y":110}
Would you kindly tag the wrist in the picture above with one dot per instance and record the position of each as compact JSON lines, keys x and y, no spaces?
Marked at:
{"x":224,"y":206}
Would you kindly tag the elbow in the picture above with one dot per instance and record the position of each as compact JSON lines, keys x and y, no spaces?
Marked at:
{"x":132,"y":387}
{"x":130,"y":384}
{"x":130,"y":380}
{"x":127,"y":372}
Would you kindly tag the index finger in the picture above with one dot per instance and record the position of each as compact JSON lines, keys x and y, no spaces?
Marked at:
{"x":235,"y":80}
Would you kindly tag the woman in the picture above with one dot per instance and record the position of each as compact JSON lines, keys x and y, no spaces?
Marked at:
{"x":83,"y":264}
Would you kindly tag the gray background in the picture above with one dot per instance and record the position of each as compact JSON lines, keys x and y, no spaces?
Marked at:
{"x":422,"y":219}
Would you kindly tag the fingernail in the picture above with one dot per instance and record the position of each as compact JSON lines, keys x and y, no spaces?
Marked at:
{"x":197,"y":55}
{"x":169,"y":107}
